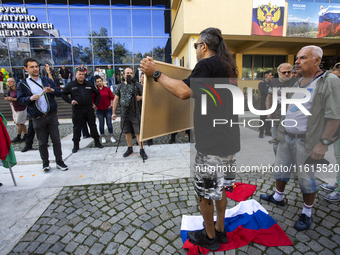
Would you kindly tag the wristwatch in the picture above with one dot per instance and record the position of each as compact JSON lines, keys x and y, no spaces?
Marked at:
{"x":325,"y":141}
{"x":156,"y":75}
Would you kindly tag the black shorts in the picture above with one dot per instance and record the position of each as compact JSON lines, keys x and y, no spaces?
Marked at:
{"x":131,"y":123}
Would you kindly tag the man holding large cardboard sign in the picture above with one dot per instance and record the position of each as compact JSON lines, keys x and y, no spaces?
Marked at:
{"x":216,"y":146}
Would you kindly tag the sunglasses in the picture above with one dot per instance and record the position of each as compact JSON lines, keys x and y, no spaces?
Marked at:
{"x":286,"y":72}
{"x":336,"y":66}
{"x":196,"y":44}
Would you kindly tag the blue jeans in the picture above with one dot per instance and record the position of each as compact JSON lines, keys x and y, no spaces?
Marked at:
{"x":101,"y":114}
{"x":66,"y":81}
{"x":111,"y":82}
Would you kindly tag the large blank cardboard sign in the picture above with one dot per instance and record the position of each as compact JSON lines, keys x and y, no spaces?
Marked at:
{"x":162,"y":112}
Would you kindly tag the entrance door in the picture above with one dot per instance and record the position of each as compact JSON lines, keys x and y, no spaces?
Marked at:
{"x":18,"y":74}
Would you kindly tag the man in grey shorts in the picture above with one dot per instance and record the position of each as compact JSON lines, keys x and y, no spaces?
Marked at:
{"x":216,"y":146}
{"x":128,"y":93}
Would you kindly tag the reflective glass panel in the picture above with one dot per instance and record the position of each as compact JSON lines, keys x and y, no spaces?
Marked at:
{"x":247,"y":67}
{"x":142,"y":47}
{"x":140,"y":3}
{"x":82,"y":51}
{"x":100,"y":19}
{"x":160,"y":23}
{"x":41,"y":49}
{"x":80,"y":22}
{"x":19,"y":49}
{"x":122,"y":50}
{"x":59,"y":19}
{"x":4,"y":60}
{"x":279,"y":60}
{"x":121,"y":22}
{"x":161,"y":4}
{"x":120,"y":3}
{"x":57,"y":3}
{"x":102,"y":49}
{"x":78,"y":3}
{"x":100,"y":3}
{"x":12,"y":2}
{"x":159,"y":48}
{"x":40,"y":14}
{"x":61,"y":51}
{"x":141,"y":20}
{"x":35,"y":3}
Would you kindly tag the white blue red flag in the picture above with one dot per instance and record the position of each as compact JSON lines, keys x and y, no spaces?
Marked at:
{"x":329,"y":21}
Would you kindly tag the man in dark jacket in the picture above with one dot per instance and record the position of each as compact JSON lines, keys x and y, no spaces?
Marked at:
{"x":82,"y":107}
{"x":38,"y":94}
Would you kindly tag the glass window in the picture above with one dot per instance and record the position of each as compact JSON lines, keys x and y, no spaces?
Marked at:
{"x":142,"y":47}
{"x":11,"y":2}
{"x":35,"y":3}
{"x":4,"y":60}
{"x":102,"y":49}
{"x":247,"y":67}
{"x":121,"y":22}
{"x":258,"y":67}
{"x":122,"y":50}
{"x":100,"y":22}
{"x":160,"y":23}
{"x":61,"y":51}
{"x":41,"y":50}
{"x":161,"y":4}
{"x":78,"y":3}
{"x":59,"y":19}
{"x":159,"y":49}
{"x":100,"y":3}
{"x":40,"y":14}
{"x":80,"y":22}
{"x":141,"y":21}
{"x":141,"y":4}
{"x":57,"y":3}
{"x":120,"y":3}
{"x":82,"y":51}
{"x":19,"y":49}
{"x":279,"y":60}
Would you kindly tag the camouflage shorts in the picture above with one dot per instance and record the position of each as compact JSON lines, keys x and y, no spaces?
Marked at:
{"x":212,"y":174}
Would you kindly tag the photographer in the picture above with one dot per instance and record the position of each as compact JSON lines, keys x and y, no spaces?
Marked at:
{"x":128,"y":93}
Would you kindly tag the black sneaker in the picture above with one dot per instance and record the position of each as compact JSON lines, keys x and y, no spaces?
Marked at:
{"x":16,"y":139}
{"x":98,"y":145}
{"x":61,"y":165}
{"x":128,"y":152}
{"x":46,"y":167}
{"x":270,"y":198}
{"x":143,"y":154}
{"x":200,"y":238}
{"x":221,"y":236}
{"x":303,"y":222}
{"x":27,"y":148}
{"x":150,"y":142}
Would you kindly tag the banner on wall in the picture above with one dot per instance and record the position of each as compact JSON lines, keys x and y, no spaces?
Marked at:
{"x":268,"y":17}
{"x":313,"y":19}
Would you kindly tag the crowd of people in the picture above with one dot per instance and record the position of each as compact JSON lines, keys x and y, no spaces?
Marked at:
{"x":302,"y":144}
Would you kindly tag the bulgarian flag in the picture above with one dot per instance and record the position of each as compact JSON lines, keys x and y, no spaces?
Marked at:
{"x":247,"y":222}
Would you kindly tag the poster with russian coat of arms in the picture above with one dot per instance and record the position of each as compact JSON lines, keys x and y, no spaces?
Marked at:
{"x":268,"y":17}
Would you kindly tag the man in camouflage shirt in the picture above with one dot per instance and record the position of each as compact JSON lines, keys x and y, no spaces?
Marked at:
{"x":128,"y":94}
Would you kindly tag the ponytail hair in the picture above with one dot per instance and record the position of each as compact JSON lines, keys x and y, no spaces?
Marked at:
{"x":213,"y":38}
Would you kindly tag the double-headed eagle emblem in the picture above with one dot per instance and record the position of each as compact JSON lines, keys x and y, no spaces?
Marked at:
{"x":268,"y":15}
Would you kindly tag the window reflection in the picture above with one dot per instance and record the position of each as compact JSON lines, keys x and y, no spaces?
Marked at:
{"x":79,"y":3}
{"x":142,"y":47}
{"x":41,"y":50}
{"x":61,"y":51}
{"x":100,"y":22}
{"x":140,"y":3}
{"x":82,"y":51}
{"x":59,"y":19}
{"x":11,"y":2}
{"x":35,"y":3}
{"x":41,"y":15}
{"x":122,"y":51}
{"x":161,"y":4}
{"x":102,"y":49}
{"x":80,"y":22}
{"x":57,"y":3}
{"x":4,"y":60}
{"x":121,"y":22}
{"x":141,"y":20}
{"x":160,"y":23}
{"x":19,"y":50}
{"x":120,"y":3}
{"x":99,"y":3}
{"x":159,"y":47}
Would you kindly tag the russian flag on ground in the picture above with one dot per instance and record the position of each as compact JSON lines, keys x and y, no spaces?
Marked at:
{"x":246,"y":222}
{"x":329,"y":22}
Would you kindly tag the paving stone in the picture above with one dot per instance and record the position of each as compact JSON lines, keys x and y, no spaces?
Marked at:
{"x":326,"y":252}
{"x":147,"y":226}
{"x":274,"y":251}
{"x":70,"y":247}
{"x":21,"y":247}
{"x":90,"y":240}
{"x":106,"y":237}
{"x":123,"y":250}
{"x":301,"y":247}
{"x":98,"y":233}
{"x":111,"y":248}
{"x":121,"y":236}
{"x":52,"y":239}
{"x":327,"y":243}
{"x":96,"y":249}
{"x":42,"y":248}
{"x":144,"y":243}
{"x":315,"y":246}
{"x":30,"y":236}
{"x":136,"y":251}
{"x":138,"y":234}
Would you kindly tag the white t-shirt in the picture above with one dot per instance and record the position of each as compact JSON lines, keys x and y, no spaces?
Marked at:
{"x":294,"y":113}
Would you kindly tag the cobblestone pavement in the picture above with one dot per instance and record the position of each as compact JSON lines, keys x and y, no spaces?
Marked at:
{"x":66,"y":129}
{"x":145,"y":218}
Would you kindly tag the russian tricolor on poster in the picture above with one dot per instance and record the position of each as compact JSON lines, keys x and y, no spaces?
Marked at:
{"x":268,"y":17}
{"x":246,"y":222}
{"x":329,"y":21}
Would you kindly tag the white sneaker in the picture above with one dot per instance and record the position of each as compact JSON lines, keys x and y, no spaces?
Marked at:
{"x":112,"y":140}
{"x":103,"y":140}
